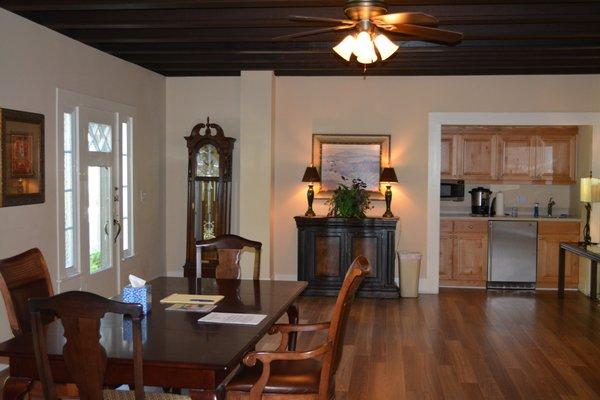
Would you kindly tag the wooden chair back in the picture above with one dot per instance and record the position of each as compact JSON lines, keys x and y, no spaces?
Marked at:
{"x":356,"y":274}
{"x":22,"y":277}
{"x":84,"y":356}
{"x":229,"y":251}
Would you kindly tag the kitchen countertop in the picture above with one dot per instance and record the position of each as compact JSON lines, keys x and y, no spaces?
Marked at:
{"x":468,"y":217}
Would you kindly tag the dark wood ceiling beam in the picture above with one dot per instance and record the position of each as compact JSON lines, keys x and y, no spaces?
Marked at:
{"x":49,"y":5}
{"x":399,"y":61}
{"x":394,"y":70}
{"x":475,"y":57}
{"x":278,"y":17}
{"x":491,"y":32}
{"x":122,"y":49}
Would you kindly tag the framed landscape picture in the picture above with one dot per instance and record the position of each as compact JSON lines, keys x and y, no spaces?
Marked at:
{"x":22,"y":158}
{"x":351,"y":157}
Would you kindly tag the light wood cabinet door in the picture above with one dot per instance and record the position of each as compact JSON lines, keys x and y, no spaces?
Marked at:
{"x":547,"y":267}
{"x":448,"y":159}
{"x":516,"y":157}
{"x":556,"y":158}
{"x":476,"y":157}
{"x":446,"y":255}
{"x":470,"y":257}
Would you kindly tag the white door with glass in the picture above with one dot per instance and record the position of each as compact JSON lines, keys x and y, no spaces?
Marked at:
{"x":99,"y":196}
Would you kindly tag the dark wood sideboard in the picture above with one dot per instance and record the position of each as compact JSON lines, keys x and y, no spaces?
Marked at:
{"x":327,"y":246}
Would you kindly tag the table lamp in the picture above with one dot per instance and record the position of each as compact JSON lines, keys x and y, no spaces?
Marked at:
{"x":388,"y":176}
{"x":311,"y":176}
{"x":590,"y":193}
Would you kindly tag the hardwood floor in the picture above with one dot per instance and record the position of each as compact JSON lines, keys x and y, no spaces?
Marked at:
{"x":465,"y":344}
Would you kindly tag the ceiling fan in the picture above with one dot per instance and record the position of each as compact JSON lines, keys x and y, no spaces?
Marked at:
{"x":368,"y":18}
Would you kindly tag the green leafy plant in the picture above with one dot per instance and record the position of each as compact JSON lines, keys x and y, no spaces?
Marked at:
{"x":95,"y":261}
{"x":349,"y":201}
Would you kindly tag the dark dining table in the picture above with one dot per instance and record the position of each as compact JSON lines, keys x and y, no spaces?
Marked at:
{"x":178,"y":351}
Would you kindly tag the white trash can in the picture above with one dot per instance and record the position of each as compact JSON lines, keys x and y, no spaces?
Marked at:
{"x":410,"y":270}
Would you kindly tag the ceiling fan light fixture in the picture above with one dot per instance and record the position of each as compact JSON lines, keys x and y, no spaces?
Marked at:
{"x":345,"y":48}
{"x":385,"y":46}
{"x":364,"y":49}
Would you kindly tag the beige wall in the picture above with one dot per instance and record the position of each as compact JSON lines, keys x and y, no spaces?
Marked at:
{"x":380,"y":105}
{"x":190,"y":101}
{"x":34,"y":61}
{"x":398,"y":106}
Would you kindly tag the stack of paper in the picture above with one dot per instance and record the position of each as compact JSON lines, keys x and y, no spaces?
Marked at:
{"x":192,"y":308}
{"x":176,"y":298}
{"x":233,"y":318}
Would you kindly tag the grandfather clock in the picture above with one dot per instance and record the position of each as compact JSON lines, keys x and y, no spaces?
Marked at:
{"x":209,"y":192}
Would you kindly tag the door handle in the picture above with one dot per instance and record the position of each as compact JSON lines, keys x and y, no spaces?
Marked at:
{"x":118,"y":224}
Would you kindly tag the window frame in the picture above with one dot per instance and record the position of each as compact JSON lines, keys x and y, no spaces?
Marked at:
{"x":130,"y":252}
{"x":66,"y":272}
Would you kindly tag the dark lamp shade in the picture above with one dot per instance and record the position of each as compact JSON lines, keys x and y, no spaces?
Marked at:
{"x":388,"y":175}
{"x":311,"y":175}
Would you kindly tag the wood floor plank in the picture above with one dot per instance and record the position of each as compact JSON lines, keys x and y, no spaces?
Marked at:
{"x":464,"y":344}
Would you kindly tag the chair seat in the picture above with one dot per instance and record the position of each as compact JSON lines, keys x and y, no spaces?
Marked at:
{"x":287,"y":377}
{"x":129,"y":395}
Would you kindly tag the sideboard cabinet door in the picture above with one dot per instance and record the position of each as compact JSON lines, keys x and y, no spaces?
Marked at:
{"x":327,"y":247}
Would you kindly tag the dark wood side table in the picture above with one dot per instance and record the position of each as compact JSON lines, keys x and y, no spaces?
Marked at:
{"x":582,"y":251}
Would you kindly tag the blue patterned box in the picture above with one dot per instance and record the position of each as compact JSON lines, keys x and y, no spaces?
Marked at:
{"x":141,"y":295}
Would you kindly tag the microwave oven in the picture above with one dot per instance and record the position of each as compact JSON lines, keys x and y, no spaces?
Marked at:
{"x":452,"y":190}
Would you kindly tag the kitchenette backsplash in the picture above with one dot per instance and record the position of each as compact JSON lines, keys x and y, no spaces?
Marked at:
{"x":521,"y":196}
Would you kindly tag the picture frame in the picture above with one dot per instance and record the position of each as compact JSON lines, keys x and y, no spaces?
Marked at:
{"x":351,"y":156}
{"x":21,"y":158}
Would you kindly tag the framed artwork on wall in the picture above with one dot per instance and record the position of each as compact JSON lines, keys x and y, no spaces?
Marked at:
{"x":339,"y":156}
{"x":21,"y":158}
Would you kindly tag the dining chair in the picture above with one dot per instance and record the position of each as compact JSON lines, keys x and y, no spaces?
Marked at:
{"x":21,"y":277}
{"x":229,"y":251}
{"x":306,"y":375}
{"x":85,"y":358}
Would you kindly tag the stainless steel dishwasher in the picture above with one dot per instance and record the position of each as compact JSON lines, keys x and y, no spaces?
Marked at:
{"x":513,"y":254}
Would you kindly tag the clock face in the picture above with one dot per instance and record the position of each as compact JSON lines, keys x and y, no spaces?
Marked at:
{"x":208,"y":162}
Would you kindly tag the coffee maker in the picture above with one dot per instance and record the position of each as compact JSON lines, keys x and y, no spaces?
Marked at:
{"x":480,"y":201}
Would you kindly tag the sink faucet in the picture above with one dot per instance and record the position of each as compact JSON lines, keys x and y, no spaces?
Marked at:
{"x":551,"y":203}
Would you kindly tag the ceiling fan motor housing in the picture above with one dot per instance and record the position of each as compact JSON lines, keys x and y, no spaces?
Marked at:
{"x":364,"y":9}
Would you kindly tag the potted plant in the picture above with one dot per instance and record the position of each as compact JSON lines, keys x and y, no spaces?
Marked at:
{"x":349,"y":201}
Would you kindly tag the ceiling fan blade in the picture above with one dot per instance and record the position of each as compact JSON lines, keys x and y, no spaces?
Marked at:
{"x":426,"y":33}
{"x":314,"y":32}
{"x":414,"y":18}
{"x":303,"y":18}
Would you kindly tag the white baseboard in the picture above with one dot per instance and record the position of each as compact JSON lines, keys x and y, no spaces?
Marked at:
{"x":286,"y":277}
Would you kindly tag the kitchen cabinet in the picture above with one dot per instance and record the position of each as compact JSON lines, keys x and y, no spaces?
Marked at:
{"x":463,"y":253}
{"x":448,"y":167}
{"x":509,"y":154}
{"x":446,"y":250}
{"x":476,"y":157}
{"x":556,"y":158}
{"x":550,"y":234}
{"x":516,"y":157}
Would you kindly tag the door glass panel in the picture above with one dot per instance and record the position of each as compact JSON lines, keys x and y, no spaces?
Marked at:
{"x":99,"y":215}
{"x":99,"y":137}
